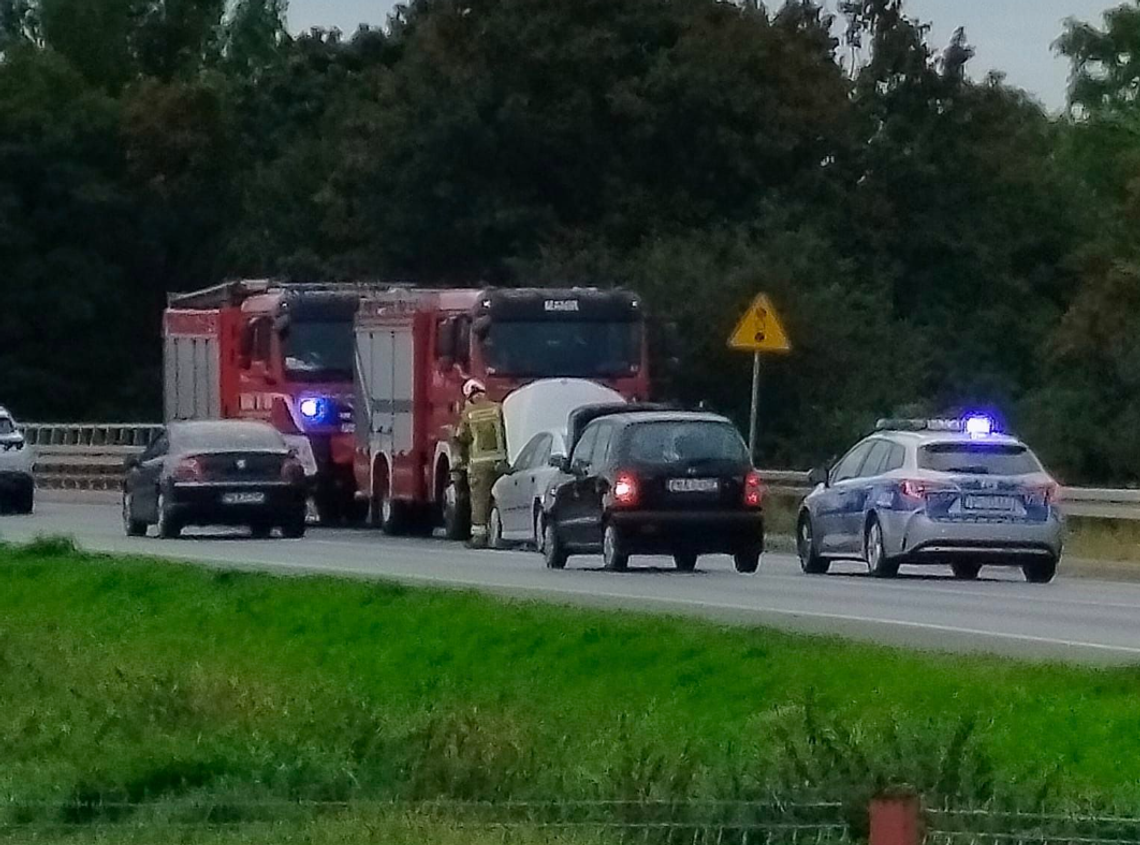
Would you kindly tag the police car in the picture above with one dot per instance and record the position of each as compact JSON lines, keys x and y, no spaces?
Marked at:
{"x":952,"y":491}
{"x":17,"y":484}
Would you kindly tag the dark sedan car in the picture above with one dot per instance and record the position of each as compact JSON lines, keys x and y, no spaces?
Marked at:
{"x":657,"y":482}
{"x":215,"y":473}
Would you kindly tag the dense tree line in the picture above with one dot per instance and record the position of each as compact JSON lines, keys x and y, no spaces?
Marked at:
{"x":932,"y":241}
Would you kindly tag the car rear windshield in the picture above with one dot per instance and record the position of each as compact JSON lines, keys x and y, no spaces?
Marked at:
{"x":229,"y":436}
{"x":6,"y":425}
{"x":685,"y":442}
{"x":979,"y":458}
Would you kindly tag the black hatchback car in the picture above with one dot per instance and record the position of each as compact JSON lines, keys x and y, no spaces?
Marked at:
{"x":231,"y":472}
{"x":656,"y":482}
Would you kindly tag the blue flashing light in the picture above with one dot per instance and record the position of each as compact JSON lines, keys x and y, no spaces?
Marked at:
{"x":978,"y":425}
{"x":311,"y":408}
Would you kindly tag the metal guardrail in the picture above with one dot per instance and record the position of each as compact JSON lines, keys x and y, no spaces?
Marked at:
{"x":89,"y":456}
{"x":85,"y":456}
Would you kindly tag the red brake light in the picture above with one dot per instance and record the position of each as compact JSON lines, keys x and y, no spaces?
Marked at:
{"x":913,"y":489}
{"x":753,"y":490}
{"x":187,"y":469}
{"x":1049,"y":494}
{"x":292,"y":471}
{"x":626,"y":490}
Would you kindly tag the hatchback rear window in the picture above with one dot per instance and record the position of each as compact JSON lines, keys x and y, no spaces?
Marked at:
{"x":218,"y":436}
{"x":979,"y":458}
{"x":668,"y":442}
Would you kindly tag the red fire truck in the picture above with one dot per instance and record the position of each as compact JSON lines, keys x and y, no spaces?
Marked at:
{"x":273,"y":351}
{"x":415,"y":349}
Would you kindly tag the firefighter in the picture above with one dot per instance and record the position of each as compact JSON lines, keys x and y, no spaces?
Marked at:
{"x":481,"y":446}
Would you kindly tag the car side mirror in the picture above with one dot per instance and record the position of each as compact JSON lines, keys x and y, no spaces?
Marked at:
{"x":818,"y":476}
{"x":560,"y":462}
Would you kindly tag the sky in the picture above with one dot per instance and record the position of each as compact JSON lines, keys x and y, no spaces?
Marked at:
{"x":1009,"y":35}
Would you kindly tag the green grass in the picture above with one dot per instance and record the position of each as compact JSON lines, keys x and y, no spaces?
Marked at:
{"x":153,"y":683}
{"x":1104,"y":539}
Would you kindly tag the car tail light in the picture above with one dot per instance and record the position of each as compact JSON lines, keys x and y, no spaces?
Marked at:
{"x":626,"y":491}
{"x":920,"y":491}
{"x":293,"y":471}
{"x":187,"y":469}
{"x":1048,"y":494}
{"x":753,"y":490}
{"x":913,"y":490}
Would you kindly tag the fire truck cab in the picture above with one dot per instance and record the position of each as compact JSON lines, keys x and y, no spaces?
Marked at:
{"x":416,"y":348}
{"x":279,"y":352}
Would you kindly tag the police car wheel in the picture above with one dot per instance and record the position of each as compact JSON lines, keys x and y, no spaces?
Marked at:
{"x":878,"y":563}
{"x":811,"y":562}
{"x":1041,"y":572}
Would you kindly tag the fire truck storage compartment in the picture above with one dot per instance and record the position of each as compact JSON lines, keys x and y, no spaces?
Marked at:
{"x":192,"y":383}
{"x":386,"y":377}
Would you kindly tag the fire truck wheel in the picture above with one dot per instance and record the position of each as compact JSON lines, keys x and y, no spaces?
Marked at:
{"x":356,"y":512}
{"x":394,"y":516}
{"x":261,"y":530}
{"x":456,"y":514}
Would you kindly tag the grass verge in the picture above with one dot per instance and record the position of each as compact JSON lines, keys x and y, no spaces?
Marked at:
{"x":149,"y":685}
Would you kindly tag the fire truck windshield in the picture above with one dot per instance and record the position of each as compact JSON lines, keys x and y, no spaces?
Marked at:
{"x":319,"y":350}
{"x":548,"y":348}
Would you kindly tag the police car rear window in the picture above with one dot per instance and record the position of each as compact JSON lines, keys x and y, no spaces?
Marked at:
{"x":978,"y":458}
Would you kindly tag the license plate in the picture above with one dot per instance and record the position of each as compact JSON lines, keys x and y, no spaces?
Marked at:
{"x":243,"y":498}
{"x":990,"y":503}
{"x":693,"y":485}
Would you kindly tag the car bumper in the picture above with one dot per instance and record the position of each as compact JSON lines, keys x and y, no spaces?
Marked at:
{"x":205,"y":503}
{"x":919,"y":539}
{"x":666,"y":532}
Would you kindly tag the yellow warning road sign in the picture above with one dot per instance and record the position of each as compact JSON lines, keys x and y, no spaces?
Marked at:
{"x":759,"y":330}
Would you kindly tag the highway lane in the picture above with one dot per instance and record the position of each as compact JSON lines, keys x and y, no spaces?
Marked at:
{"x":1075,"y":620}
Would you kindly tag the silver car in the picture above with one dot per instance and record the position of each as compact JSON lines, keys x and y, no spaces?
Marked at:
{"x":17,"y":464}
{"x":516,"y":515}
{"x":934,"y":492}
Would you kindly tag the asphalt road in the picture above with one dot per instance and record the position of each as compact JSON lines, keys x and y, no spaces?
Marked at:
{"x":1074,"y":620}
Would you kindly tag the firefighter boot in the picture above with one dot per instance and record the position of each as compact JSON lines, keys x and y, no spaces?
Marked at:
{"x":478,"y":537}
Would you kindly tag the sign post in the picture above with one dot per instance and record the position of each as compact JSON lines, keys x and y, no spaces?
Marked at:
{"x":759,"y":330}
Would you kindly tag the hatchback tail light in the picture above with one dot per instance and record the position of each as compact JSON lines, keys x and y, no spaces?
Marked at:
{"x":292,"y":471}
{"x":919,"y":491}
{"x":626,"y":490}
{"x":1048,"y":494}
{"x":753,"y":490}
{"x":188,"y":469}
